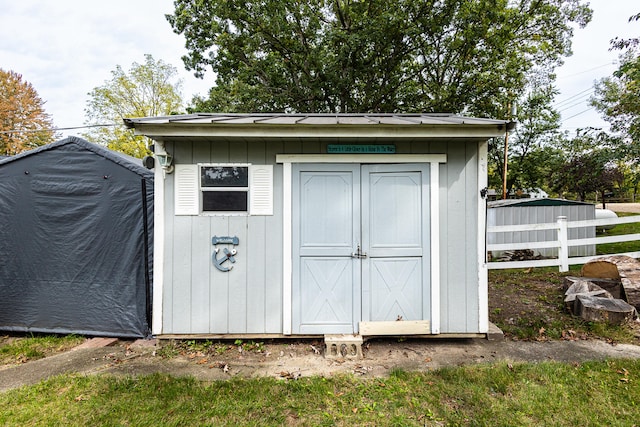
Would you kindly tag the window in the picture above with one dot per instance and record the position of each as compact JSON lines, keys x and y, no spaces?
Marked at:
{"x":223,"y":189}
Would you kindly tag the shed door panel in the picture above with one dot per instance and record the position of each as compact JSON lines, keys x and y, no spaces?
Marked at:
{"x":394,"y":231}
{"x":380,"y":214}
{"x":326,"y":219}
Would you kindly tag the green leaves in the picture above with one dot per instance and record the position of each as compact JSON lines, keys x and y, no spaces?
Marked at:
{"x":372,"y":56}
{"x":618,"y":97}
{"x":148,"y":89}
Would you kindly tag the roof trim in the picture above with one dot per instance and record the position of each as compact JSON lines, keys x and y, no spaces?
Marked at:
{"x":303,"y":126}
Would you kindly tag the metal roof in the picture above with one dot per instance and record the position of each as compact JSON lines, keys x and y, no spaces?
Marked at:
{"x":319,"y":125}
{"x":534,"y":202}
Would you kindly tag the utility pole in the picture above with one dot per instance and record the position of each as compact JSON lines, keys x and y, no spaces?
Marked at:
{"x":511,"y":108}
{"x":504,"y":175}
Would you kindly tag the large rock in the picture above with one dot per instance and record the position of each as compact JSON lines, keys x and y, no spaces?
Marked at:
{"x":621,"y":267}
{"x":598,"y":309}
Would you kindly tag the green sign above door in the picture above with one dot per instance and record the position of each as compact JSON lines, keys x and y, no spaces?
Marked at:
{"x":360,"y":149}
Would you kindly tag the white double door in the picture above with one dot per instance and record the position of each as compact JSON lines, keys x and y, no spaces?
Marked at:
{"x":360,"y":245}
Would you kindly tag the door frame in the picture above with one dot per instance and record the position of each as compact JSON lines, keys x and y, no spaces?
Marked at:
{"x":287,"y":221}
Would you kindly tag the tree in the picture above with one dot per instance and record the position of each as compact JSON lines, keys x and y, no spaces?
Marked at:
{"x":588,"y":173}
{"x":531,"y":146}
{"x":621,"y":44}
{"x":618,"y":98}
{"x":24,"y":124}
{"x":592,"y":165}
{"x":148,"y":89}
{"x":372,"y":55}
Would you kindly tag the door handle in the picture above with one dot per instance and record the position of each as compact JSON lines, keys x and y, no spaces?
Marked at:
{"x":358,"y":253}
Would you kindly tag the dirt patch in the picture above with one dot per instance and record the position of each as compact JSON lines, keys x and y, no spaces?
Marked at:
{"x":529,"y":305}
{"x":290,"y":361}
{"x":285,"y":360}
{"x":522,"y":303}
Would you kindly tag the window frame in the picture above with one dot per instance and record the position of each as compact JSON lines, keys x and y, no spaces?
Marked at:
{"x":202,"y":189}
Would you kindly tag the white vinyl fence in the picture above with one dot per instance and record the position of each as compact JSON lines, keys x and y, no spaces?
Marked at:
{"x":562,"y":242}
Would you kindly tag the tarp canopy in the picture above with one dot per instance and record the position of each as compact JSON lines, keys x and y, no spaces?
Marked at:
{"x":76,"y":227}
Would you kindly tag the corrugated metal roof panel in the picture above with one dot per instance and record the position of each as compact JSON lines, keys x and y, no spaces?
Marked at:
{"x":317,"y":119}
{"x":534,"y":202}
{"x":338,"y":127}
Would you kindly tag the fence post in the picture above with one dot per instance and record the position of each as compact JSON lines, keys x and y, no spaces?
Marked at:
{"x":563,"y":242}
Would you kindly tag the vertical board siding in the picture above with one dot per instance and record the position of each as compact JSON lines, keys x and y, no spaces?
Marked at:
{"x":181,"y":265}
{"x":471,"y":268}
{"x":199,"y":299}
{"x":236,"y":307}
{"x":255,"y":254}
{"x":219,"y":282}
{"x":200,"y":264}
{"x":167,"y":265}
{"x":273,"y":244}
{"x":455,"y":249}
{"x":459,"y":299}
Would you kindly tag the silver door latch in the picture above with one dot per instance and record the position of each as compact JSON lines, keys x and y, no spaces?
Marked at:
{"x":358,"y":253}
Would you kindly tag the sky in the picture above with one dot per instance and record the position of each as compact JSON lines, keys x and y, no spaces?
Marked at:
{"x":66,"y":48}
{"x":592,"y":61}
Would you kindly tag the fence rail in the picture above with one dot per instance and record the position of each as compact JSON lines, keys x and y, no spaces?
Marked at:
{"x":562,"y":242}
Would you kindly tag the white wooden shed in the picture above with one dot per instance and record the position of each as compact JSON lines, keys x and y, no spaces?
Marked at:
{"x":289,"y":225}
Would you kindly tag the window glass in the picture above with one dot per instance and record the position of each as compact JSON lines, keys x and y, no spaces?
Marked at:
{"x":224,"y":176}
{"x":224,"y":201}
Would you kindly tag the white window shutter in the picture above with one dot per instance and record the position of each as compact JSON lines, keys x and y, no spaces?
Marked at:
{"x":187,"y":200}
{"x":261,"y":190}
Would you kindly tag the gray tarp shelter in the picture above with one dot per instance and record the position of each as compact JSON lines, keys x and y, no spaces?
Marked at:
{"x":76,"y":227}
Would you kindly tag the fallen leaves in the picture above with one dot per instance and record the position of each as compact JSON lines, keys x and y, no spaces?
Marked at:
{"x":224,"y":367}
{"x":362,"y":370}
{"x":625,"y":375}
{"x":287,"y":375}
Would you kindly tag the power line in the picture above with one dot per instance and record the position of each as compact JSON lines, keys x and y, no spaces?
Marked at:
{"x":581,"y":112}
{"x":58,"y":129}
{"x":614,"y":62}
{"x":575,"y":104}
{"x":580,"y":94}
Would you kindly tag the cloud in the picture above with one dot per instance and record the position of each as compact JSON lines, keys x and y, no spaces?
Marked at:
{"x":68,"y":47}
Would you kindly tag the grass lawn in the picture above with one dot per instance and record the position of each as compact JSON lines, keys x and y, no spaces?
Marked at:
{"x":21,"y":349}
{"x":620,"y":247}
{"x":525,"y":304}
{"x":589,"y":394}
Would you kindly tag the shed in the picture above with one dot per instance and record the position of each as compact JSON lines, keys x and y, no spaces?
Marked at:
{"x":541,"y":211}
{"x":289,"y":225}
{"x":76,"y":241}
